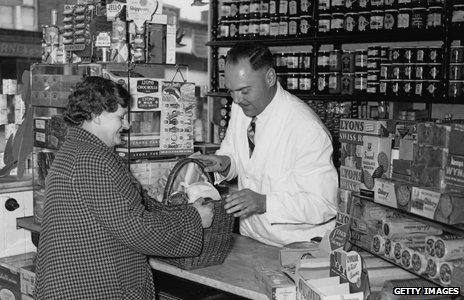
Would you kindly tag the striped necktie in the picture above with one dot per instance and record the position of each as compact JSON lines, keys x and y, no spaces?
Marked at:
{"x":251,"y":135}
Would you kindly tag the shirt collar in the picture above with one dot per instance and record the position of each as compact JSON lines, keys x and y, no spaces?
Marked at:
{"x":80,"y":134}
{"x":268,"y":111}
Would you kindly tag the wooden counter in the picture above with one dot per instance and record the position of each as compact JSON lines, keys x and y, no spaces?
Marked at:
{"x":236,"y":274}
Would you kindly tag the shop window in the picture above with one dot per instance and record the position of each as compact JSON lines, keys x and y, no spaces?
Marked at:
{"x":22,"y":17}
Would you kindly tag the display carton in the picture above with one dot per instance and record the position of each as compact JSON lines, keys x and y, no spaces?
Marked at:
{"x":10,"y":279}
{"x":375,"y":161}
{"x":393,"y":193}
{"x":276,"y":284}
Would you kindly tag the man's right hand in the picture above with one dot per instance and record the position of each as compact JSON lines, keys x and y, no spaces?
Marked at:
{"x":205,"y":211}
{"x":216,"y":163}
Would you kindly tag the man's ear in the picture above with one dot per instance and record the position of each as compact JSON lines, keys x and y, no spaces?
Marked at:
{"x":271,"y":77}
{"x":96,"y":119}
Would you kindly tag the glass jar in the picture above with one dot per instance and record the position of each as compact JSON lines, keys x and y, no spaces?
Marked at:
{"x":407,"y":88}
{"x":456,"y":72}
{"x":376,"y":20}
{"x":336,"y":23}
{"x":389,"y":19}
{"x":404,"y":18}
{"x":419,"y":87}
{"x":293,"y":25}
{"x":419,"y":54}
{"x":264,"y":9}
{"x":274,"y":27}
{"x":347,"y":84}
{"x":337,"y":5}
{"x":395,"y":87}
{"x":457,"y":18}
{"x":323,"y":61}
{"x":396,"y":55}
{"x":305,"y":6}
{"x":324,"y":23}
{"x":363,"y":4}
{"x":419,"y":73}
{"x":363,"y":21}
{"x":264,"y":28}
{"x":373,"y":87}
{"x":384,"y":68}
{"x":457,"y":54}
{"x":433,"y":88}
{"x":243,"y":26}
{"x":350,"y":22}
{"x":292,"y":82}
{"x":408,"y":71}
{"x":360,"y":60}
{"x":225,"y":10}
{"x":283,"y":8}
{"x":360,"y":82}
{"x":293,"y":8}
{"x":435,"y":17}
{"x":244,"y":10}
{"x":255,"y":9}
{"x":348,"y":62}
{"x":408,"y":55}
{"x":323,"y":5}
{"x":376,"y":4}
{"x":283,"y":26}
{"x":304,"y":61}
{"x":234,"y":10}
{"x":292,"y":61}
{"x":253,"y":28}
{"x":434,"y":54}
{"x":305,"y":25}
{"x":433,"y":72}
{"x":233,"y":29}
{"x":418,"y":18}
{"x":335,"y":61}
{"x":273,"y":8}
{"x":323,"y":83}
{"x":305,"y":82}
{"x":334,"y":83}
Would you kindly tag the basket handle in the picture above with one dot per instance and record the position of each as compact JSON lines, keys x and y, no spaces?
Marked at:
{"x":175,"y":171}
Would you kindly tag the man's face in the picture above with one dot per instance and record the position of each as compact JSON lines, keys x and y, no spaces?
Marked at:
{"x":248,"y":87}
{"x":112,"y":123}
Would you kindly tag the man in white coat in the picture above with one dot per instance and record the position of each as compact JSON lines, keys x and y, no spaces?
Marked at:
{"x":286,"y":178}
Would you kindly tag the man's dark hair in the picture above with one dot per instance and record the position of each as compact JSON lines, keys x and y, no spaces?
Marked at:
{"x":258,"y":55}
{"x":92,"y":96}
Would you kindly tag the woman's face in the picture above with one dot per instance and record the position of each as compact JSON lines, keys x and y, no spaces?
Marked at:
{"x":112,"y":123}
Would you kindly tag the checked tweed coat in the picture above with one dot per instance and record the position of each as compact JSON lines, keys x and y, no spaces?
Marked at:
{"x":97,"y":230}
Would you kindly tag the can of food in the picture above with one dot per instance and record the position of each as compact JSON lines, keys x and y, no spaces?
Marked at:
{"x":407,"y":88}
{"x":390,"y":19}
{"x":433,"y":71}
{"x":434,"y":88}
{"x":434,"y":54}
{"x":376,"y":20}
{"x":305,"y":25}
{"x":396,"y":55}
{"x":435,"y":17}
{"x":396,"y":71}
{"x":419,"y":73}
{"x":395,"y":87}
{"x":404,"y":18}
{"x":419,"y":87}
{"x":363,"y":21}
{"x":384,"y":70}
{"x":408,"y":71}
{"x":350,"y":24}
{"x":419,"y":54}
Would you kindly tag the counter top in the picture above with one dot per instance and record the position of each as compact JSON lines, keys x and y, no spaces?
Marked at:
{"x":236,"y":274}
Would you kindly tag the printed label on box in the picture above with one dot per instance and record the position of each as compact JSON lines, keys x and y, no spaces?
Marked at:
{"x":424,"y":202}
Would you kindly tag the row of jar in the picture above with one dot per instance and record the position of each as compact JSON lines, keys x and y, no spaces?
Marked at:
{"x":377,"y":20}
{"x":269,"y":27}
{"x":232,"y":10}
{"x":353,"y":5}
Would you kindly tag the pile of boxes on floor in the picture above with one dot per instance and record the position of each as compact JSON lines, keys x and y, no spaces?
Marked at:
{"x":17,"y":277}
{"x":412,"y":167}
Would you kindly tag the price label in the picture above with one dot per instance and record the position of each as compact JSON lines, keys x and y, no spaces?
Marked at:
{"x":103,"y":39}
{"x":140,"y":11}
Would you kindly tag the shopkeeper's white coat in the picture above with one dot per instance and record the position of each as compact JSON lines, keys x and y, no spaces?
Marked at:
{"x":291,"y":164}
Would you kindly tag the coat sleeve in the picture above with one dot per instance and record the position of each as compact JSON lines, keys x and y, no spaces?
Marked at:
{"x":306,"y":193}
{"x":229,"y":147}
{"x":117,"y":206}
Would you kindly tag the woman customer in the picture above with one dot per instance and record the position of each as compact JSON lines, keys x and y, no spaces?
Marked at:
{"x":98,"y":229}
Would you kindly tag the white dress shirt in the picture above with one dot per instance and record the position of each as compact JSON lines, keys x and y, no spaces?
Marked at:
{"x":291,"y":164}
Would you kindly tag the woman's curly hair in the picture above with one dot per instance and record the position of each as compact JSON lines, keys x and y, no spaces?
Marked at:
{"x":92,"y":96}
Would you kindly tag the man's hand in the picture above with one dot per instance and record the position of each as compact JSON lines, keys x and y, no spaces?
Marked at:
{"x":205,"y":211}
{"x":245,"y":203}
{"x":216,"y":163}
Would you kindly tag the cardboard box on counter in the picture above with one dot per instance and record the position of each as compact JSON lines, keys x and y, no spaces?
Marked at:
{"x":10,"y":279}
{"x":445,"y":207}
{"x":393,"y":193}
{"x":28,"y":279}
{"x":277,"y":285}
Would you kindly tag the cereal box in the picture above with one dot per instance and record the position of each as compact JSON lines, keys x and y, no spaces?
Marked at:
{"x":375,"y":160}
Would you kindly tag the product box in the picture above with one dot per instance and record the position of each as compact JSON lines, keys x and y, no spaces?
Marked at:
{"x":146,"y":93}
{"x":291,"y":254}
{"x":10,"y":279}
{"x":351,"y":179}
{"x":28,"y":279}
{"x":277,"y":285}
{"x":456,"y":140}
{"x":401,"y":166}
{"x":430,"y":133}
{"x":393,"y":193}
{"x":161,"y":41}
{"x":445,"y":207}
{"x":375,"y":160}
{"x":344,"y":200}
{"x":454,"y":172}
{"x":433,"y":177}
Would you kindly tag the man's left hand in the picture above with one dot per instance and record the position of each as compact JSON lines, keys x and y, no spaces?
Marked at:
{"x":245,"y":203}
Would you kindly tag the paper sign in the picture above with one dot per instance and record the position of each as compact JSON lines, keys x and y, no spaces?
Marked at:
{"x":351,"y":268}
{"x":114,"y":9}
{"x":338,"y":237}
{"x":103,"y":39}
{"x":141,"y":10}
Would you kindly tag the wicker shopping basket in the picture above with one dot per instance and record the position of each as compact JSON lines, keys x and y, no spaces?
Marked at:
{"x":217,"y":239}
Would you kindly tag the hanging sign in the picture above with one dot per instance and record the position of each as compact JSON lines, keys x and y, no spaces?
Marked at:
{"x":140,"y":11}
